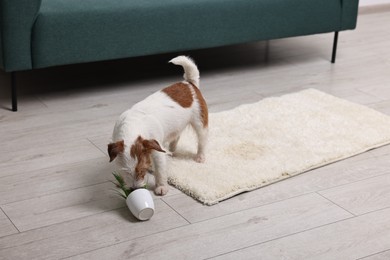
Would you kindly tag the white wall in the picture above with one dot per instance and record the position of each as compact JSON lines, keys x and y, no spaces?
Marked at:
{"x":373,"y":2}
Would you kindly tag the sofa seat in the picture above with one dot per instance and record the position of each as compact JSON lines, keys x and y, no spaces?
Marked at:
{"x":72,"y":31}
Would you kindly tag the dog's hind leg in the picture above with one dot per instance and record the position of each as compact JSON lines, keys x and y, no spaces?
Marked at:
{"x":202,"y":134}
{"x":173,"y":144}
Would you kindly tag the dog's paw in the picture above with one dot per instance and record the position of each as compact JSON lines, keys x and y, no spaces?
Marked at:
{"x":161,"y":190}
{"x":200,"y":158}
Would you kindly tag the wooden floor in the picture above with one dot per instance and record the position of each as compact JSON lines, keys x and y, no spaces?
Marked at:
{"x":56,"y":200}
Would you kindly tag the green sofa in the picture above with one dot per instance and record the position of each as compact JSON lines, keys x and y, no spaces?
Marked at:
{"x":44,"y":33}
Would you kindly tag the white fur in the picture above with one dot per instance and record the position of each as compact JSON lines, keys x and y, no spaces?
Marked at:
{"x":161,"y":118}
{"x":191,"y":72}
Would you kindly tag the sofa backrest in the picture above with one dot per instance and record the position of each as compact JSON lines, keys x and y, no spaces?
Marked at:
{"x":44,"y":33}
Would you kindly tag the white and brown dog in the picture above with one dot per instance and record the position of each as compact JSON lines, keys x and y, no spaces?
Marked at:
{"x":156,"y":122}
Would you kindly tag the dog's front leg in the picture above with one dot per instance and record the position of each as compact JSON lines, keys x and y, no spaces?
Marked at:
{"x":160,"y":162}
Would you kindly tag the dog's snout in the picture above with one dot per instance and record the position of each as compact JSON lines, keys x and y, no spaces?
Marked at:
{"x":139,"y":183}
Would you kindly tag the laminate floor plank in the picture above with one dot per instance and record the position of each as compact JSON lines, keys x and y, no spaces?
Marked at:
{"x":64,"y":206}
{"x":230,"y":232}
{"x":6,"y":226}
{"x":32,"y":158}
{"x":352,"y":238}
{"x":88,"y":233}
{"x":38,"y":183}
{"x":363,"y":196}
{"x":379,"y":256}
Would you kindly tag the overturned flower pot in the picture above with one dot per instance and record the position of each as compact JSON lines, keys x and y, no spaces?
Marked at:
{"x":139,"y":201}
{"x":141,"y":204}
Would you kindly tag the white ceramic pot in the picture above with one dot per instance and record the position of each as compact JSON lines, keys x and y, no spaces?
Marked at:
{"x":141,"y":204}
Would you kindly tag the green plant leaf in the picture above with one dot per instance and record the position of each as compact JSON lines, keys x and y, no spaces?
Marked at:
{"x":123,"y":190}
{"x":119,"y":179}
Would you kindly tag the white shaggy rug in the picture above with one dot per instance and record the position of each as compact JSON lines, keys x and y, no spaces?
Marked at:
{"x":258,"y":144}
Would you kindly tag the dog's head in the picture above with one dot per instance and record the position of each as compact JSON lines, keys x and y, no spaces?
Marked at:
{"x":137,"y":159}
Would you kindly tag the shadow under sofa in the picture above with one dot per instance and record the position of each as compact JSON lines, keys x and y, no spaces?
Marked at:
{"x":44,"y":33}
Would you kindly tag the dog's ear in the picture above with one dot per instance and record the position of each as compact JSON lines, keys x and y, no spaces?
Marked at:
{"x":152,"y":144}
{"x":115,"y":148}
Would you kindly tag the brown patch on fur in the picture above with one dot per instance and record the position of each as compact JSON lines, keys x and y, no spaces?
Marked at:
{"x":115,"y":148}
{"x":180,"y":93}
{"x":142,"y":150}
{"x":204,"y":111}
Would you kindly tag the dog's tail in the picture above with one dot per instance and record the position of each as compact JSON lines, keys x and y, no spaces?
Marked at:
{"x":191,"y":72}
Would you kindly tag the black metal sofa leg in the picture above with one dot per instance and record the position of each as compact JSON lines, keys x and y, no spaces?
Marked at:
{"x":14,"y":95}
{"x":335,"y":39}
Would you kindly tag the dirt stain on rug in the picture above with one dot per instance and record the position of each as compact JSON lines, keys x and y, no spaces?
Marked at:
{"x":246,"y":150}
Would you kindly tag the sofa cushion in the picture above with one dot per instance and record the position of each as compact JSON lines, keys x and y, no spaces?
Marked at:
{"x":16,"y":21}
{"x":72,"y":31}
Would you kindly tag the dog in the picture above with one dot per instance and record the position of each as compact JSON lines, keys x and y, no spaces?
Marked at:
{"x":141,"y":133}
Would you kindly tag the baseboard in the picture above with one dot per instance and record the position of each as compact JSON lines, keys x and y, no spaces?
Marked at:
{"x":373,"y":2}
